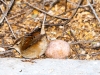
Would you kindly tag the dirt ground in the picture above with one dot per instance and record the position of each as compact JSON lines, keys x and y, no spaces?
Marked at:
{"x":82,"y":31}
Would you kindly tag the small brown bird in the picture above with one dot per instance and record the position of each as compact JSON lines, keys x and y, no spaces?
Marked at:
{"x":32,"y":45}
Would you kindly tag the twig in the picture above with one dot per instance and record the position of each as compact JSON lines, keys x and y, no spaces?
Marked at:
{"x":76,"y":41}
{"x":94,"y":54}
{"x":82,"y":41}
{"x":3,"y":2}
{"x":8,"y":24}
{"x":10,"y":28}
{"x":81,"y":1}
{"x":16,"y":15}
{"x":82,"y":6}
{"x":45,"y":12}
{"x":67,"y":21}
{"x":7,"y":51}
{"x":7,"y":10}
{"x":94,"y":12}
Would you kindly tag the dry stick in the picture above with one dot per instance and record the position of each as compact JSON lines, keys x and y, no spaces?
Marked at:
{"x":85,"y":41}
{"x":59,"y":15}
{"x":94,"y":54}
{"x":78,"y":44}
{"x":81,"y":5}
{"x":6,"y":12}
{"x":68,"y":11}
{"x":82,"y":41}
{"x":21,"y":12}
{"x":94,"y":12}
{"x":10,"y":28}
{"x":76,"y":39}
{"x":3,"y":2}
{"x":81,"y":1}
{"x":91,"y":6}
{"x":68,"y":20}
{"x":54,"y":3}
{"x":16,"y":15}
{"x":6,"y":52}
{"x":52,"y":15}
{"x":45,"y":12}
{"x":9,"y":25}
{"x":93,"y":1}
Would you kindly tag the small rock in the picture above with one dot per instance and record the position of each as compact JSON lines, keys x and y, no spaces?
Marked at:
{"x":58,"y":49}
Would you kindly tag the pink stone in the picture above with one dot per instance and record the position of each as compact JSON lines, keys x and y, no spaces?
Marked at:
{"x":58,"y":49}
